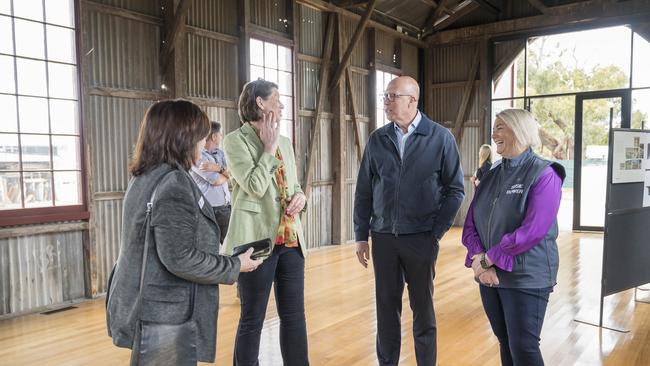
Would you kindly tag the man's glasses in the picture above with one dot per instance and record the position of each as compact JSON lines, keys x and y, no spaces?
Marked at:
{"x":391,"y":96}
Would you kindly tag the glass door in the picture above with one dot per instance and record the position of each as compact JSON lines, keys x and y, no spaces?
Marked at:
{"x":596,"y":114}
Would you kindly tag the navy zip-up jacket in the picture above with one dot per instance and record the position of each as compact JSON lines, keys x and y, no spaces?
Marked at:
{"x":417,"y":193}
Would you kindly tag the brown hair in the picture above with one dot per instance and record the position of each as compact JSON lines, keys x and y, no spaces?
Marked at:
{"x":168,"y":134}
{"x":249,"y":111}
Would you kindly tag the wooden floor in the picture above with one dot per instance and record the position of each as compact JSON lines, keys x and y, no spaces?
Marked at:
{"x":341,"y":318}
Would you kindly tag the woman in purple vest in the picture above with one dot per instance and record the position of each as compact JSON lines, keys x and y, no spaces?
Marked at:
{"x":510,"y":233}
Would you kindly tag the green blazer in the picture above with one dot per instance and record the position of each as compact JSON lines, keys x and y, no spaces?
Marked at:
{"x":256,"y":209}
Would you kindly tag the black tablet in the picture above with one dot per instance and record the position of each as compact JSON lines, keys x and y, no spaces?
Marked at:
{"x":261,"y":248}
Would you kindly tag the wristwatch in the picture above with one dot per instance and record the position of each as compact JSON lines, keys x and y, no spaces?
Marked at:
{"x":484,"y":263}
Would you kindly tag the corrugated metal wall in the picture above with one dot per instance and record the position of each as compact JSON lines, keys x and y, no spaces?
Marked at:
{"x":449,"y":67}
{"x":39,"y":271}
{"x":212,"y":68}
{"x":271,"y":14}
{"x":215,"y":15}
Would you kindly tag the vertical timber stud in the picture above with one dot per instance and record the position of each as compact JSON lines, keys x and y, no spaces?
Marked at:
{"x":171,"y":55}
{"x":483,"y":87}
{"x":294,"y":29}
{"x":353,"y":105}
{"x":339,"y":215}
{"x":372,"y":81}
{"x":467,"y":96}
{"x":322,"y":92}
{"x":243,"y":51}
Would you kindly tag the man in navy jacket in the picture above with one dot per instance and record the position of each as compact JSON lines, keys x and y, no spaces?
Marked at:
{"x":409,"y":188}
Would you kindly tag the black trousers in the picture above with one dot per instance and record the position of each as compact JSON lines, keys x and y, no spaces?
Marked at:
{"x":397,"y":260}
{"x":285,"y":269}
{"x":516,"y":316}
{"x":222,"y":213}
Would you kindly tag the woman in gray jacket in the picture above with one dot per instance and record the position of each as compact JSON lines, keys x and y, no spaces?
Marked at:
{"x":183,"y":266}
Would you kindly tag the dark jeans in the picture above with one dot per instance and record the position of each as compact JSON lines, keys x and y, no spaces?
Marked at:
{"x":222,"y":213}
{"x":285,"y":268}
{"x":516,"y":316}
{"x":411,"y":259}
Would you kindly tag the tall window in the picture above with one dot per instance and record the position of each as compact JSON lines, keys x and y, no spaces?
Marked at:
{"x":274,"y":63}
{"x":40,"y":142}
{"x":383,"y":78}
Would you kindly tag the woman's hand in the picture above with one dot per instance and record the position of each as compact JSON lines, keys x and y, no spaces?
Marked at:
{"x":489,"y":277}
{"x":269,"y":132}
{"x":297,"y":203}
{"x":210,"y":167}
{"x":247,"y":263}
{"x":476,"y":265}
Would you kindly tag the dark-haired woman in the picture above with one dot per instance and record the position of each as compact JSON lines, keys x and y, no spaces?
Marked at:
{"x":183,"y":267}
{"x":266,"y":202}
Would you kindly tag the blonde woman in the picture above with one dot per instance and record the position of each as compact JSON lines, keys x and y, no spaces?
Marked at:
{"x":484,"y":164}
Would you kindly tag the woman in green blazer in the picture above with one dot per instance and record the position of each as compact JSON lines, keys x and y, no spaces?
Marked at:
{"x":266,"y":203}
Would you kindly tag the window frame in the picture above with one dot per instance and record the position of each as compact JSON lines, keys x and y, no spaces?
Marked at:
{"x":49,"y":214}
{"x":379,"y":102}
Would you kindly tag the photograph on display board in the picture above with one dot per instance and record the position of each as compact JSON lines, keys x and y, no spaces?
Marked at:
{"x":629,"y":155}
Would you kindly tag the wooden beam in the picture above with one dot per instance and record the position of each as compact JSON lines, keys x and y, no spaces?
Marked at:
{"x":539,"y":5}
{"x":353,"y":104}
{"x":507,"y":59}
{"x":212,"y":34}
{"x":243,"y":51}
{"x":380,"y":15}
{"x":463,"y":9}
{"x":350,"y":3}
{"x":433,"y":16}
{"x":361,"y":27}
{"x":172,"y":34}
{"x":125,"y":93}
{"x":328,"y":7}
{"x":322,"y":92}
{"x":592,"y":13}
{"x":431,"y":3}
{"x":487,"y":5}
{"x":467,"y":94}
{"x":120,"y":12}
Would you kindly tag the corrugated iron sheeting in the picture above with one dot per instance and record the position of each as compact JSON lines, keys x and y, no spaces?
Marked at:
{"x":228,"y":118}
{"x":312,"y":31}
{"x":462,"y":212}
{"x":108,"y":230}
{"x":361,"y":95}
{"x":412,"y":12}
{"x":469,"y":149}
{"x":215,"y":15}
{"x":308,"y":74}
{"x":318,"y":219}
{"x":149,"y":7}
{"x":359,"y":55}
{"x":270,"y":14}
{"x":446,"y":104}
{"x":386,"y":49}
{"x":121,"y":52}
{"x":351,"y":161}
{"x":451,"y":63}
{"x":410,"y":60}
{"x":349,"y":209}
{"x":113,"y":125}
{"x":212,"y":68}
{"x":40,"y":270}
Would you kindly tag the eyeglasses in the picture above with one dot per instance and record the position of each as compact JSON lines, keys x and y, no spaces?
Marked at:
{"x":391,"y":96}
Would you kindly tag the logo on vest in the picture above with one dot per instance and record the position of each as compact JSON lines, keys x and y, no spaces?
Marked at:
{"x":516,"y":189}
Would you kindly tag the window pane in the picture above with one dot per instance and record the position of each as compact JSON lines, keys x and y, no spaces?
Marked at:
{"x":7,"y":79}
{"x":60,"y":12}
{"x":8,"y":108}
{"x":597,"y":59}
{"x":36,"y":152}
{"x":64,"y":117}
{"x":63,"y":80}
{"x":60,"y":44}
{"x":640,"y":71}
{"x":641,"y":109}
{"x":30,"y":9}
{"x":257,"y":52}
{"x":9,"y":158}
{"x":270,"y":55}
{"x":287,"y":101}
{"x":10,"y":191}
{"x":284,"y":58}
{"x":6,"y":36}
{"x":38,"y":189}
{"x":257,"y":72}
{"x":30,"y":41}
{"x":31,"y":77}
{"x":5,"y":7}
{"x":285,"y":83}
{"x":67,"y":186}
{"x":65,"y":152}
{"x":286,"y":128}
{"x":271,"y":75}
{"x":33,"y":115}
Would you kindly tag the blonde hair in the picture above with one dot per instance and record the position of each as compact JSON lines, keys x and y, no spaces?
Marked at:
{"x":523,"y":125}
{"x":484,"y":154}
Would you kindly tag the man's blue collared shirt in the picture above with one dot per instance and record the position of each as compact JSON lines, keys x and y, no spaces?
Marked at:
{"x":401,"y":136}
